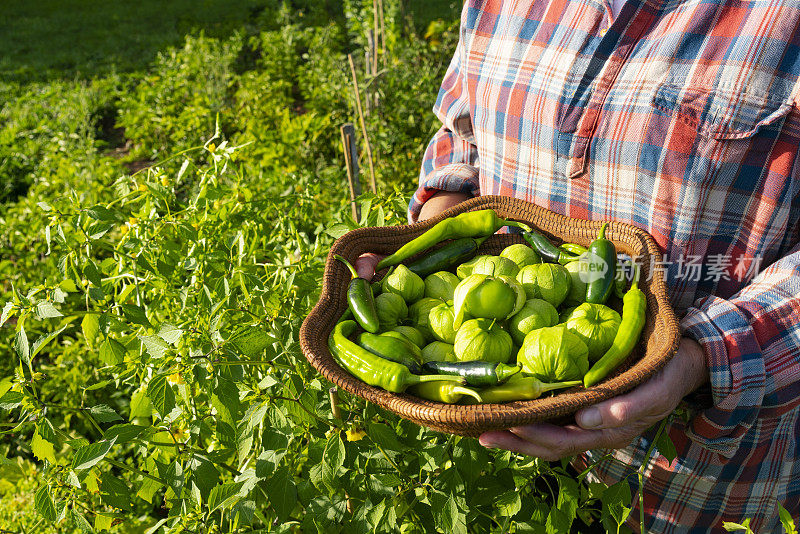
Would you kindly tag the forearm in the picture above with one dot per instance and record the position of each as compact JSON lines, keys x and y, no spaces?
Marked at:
{"x":440,"y":202}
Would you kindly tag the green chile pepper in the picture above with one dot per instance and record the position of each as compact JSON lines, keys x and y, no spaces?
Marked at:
{"x":479,"y":223}
{"x":602,"y":255}
{"x":476,"y":373}
{"x":442,"y":391}
{"x":443,"y":259}
{"x":360,"y":299}
{"x":521,"y":388}
{"x":634,"y":311}
{"x":547,"y":250}
{"x":372,"y":369}
{"x":392,"y":348}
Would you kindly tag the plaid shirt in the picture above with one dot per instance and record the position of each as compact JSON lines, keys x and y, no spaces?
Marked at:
{"x":681,"y":118}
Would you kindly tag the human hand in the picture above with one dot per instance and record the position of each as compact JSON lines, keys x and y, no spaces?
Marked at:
{"x":614,"y":423}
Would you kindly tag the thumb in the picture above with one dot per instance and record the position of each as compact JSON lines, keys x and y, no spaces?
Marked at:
{"x":620,"y":411}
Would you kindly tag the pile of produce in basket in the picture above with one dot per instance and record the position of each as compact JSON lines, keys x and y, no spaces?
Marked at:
{"x":453,"y":326}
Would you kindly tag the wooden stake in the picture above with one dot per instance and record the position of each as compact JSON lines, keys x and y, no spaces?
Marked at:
{"x":351,"y":162}
{"x":383,"y":33}
{"x":363,"y":126}
{"x":376,"y":35}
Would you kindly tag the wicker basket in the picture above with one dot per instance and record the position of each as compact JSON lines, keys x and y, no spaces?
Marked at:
{"x":659,"y":339}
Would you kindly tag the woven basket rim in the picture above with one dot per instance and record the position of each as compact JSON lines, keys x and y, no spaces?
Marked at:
{"x":473,"y":419}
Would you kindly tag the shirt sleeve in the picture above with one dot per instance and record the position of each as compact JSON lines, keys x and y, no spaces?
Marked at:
{"x":752,"y":347}
{"x":451,"y":159}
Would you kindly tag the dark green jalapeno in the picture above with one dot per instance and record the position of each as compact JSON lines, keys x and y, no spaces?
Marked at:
{"x":442,"y":391}
{"x":392,"y":348}
{"x":634,"y":312}
{"x":602,"y":260}
{"x":480,"y":223}
{"x":445,"y":258}
{"x":547,"y":250}
{"x":360,"y":299}
{"x":372,"y":369}
{"x":520,"y":388}
{"x":476,"y":373}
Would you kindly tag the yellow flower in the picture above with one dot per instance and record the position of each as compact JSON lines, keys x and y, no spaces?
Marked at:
{"x":355,"y":434}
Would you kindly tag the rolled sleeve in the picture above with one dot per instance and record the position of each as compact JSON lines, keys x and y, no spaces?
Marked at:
{"x":752,"y":347}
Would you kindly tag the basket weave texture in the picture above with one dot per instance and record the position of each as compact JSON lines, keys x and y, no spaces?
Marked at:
{"x":657,"y":345}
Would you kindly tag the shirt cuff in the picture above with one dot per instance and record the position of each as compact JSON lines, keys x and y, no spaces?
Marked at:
{"x":454,"y":177}
{"x":736,"y":372}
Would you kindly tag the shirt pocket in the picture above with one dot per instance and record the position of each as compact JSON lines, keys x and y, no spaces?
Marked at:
{"x":721,"y":114}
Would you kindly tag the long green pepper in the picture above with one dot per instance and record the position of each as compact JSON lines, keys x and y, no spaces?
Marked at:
{"x":520,"y":387}
{"x":372,"y":369}
{"x":634,"y":312}
{"x":480,"y":223}
{"x":443,"y":391}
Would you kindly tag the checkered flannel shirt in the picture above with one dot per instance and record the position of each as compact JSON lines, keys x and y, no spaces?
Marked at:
{"x":680,"y":117}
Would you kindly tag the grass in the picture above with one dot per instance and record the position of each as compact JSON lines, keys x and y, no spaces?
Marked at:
{"x":67,"y":38}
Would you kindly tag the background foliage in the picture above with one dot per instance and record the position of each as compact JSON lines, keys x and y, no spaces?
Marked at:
{"x":170,"y":182}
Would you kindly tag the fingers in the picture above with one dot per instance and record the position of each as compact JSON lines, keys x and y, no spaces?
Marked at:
{"x":365,"y":265}
{"x":551,"y":442}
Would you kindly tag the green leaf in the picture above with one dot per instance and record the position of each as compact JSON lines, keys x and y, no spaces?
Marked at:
{"x":135,"y":314}
{"x":123,"y":433}
{"x":8,"y":308}
{"x":114,"y":492}
{"x":42,"y":448}
{"x":91,"y":273}
{"x":161,"y":395}
{"x":337,"y":230}
{"x":204,"y":475}
{"x":786,"y":520}
{"x":282,"y":493}
{"x":666,"y":447}
{"x":44,"y":340}
{"x":45,"y":310}
{"x":140,"y":404}
{"x":508,"y":503}
{"x":104,"y":413}
{"x":332,"y":459}
{"x":558,"y":522}
{"x":103,"y":521}
{"x":736,"y":527}
{"x":43,"y":502}
{"x":80,"y":522}
{"x":252,"y":340}
{"x":616,"y":503}
{"x":112,"y":352}
{"x":22,"y":347}
{"x":224,"y":495}
{"x":451,"y":519}
{"x":10,"y":400}
{"x":170,"y":333}
{"x":90,"y":325}
{"x":226,"y":400}
{"x":89,"y":455}
{"x":154,"y":346}
{"x":101,"y":213}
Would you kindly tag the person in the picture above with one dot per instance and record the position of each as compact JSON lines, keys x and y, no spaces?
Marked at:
{"x":682,"y":119}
